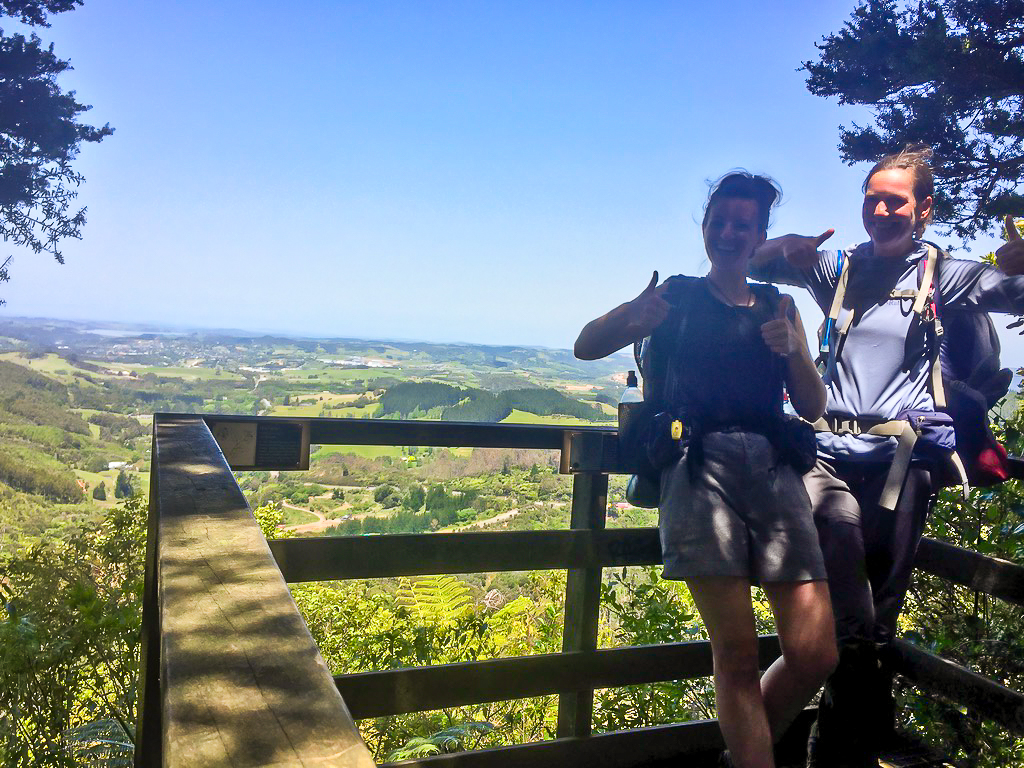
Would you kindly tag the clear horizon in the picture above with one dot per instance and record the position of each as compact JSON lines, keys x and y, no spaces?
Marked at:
{"x":98,"y":326}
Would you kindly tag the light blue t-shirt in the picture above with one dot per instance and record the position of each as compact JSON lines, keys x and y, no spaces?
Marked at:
{"x":883,"y":365}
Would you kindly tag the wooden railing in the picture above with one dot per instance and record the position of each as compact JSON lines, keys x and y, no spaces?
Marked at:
{"x":232,"y":677}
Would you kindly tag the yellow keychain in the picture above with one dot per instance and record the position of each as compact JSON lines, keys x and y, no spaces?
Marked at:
{"x":677,"y":430}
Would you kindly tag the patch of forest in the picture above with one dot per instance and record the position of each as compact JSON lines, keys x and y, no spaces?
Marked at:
{"x":412,"y":399}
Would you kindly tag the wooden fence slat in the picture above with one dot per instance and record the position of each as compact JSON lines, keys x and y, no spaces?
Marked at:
{"x":696,"y":744}
{"x":979,"y":694}
{"x":326,"y":431}
{"x":328,"y":558}
{"x":242,"y":681}
{"x":351,"y":557}
{"x":990,"y":575}
{"x":398,"y":691}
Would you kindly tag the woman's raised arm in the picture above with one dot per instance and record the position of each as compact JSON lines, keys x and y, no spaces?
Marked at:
{"x":623,"y":325}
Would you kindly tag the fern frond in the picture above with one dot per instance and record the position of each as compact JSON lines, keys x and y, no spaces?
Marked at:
{"x":436,"y":600}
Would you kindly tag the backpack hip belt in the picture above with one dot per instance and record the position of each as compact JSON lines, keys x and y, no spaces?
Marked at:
{"x":901,"y":429}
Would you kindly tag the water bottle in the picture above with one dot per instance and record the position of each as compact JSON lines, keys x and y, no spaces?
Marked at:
{"x":632,"y":398}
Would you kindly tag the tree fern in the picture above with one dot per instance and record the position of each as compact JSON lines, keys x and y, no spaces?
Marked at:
{"x":437,"y":601}
{"x":454,"y":739}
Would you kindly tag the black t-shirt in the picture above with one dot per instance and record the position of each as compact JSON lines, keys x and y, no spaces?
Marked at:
{"x":721,"y":373}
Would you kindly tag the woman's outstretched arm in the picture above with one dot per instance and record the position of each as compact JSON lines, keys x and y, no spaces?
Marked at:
{"x":623,"y":325}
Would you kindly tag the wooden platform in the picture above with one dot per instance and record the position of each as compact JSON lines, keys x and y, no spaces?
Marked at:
{"x":913,"y":754}
{"x":233,"y":678}
{"x":907,"y":752}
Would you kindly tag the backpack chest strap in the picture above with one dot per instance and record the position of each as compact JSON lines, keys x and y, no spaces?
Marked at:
{"x":924,"y":307}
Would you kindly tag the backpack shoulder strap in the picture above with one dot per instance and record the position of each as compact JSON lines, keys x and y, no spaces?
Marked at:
{"x":926,"y":308}
{"x":767,"y":293}
{"x":842,"y":279}
{"x":926,"y":284}
{"x":653,"y":353}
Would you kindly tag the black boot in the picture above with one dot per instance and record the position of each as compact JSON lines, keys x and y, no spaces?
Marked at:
{"x":842,"y":736}
{"x":884,"y":725}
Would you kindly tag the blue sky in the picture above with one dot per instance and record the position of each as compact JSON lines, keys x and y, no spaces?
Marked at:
{"x":490,"y":172}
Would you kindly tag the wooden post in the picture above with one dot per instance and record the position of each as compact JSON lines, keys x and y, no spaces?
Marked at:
{"x":582,"y":601}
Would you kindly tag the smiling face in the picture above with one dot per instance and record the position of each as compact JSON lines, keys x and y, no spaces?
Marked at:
{"x":731,"y":232}
{"x":892,"y":214}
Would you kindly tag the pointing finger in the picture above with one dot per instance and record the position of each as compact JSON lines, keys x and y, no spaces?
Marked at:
{"x":1012,"y":233}
{"x":823,"y":237}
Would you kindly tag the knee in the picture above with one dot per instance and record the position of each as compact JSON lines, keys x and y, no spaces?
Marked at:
{"x":812,"y":661}
{"x":736,"y":664}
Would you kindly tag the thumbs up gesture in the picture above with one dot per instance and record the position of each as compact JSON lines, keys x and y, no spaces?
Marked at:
{"x":1010,"y":256}
{"x":780,"y":333}
{"x":647,"y":311}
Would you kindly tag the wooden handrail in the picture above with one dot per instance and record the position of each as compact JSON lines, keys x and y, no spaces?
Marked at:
{"x":695,"y":744}
{"x":999,"y":578}
{"x":452,"y":434}
{"x":240,"y":678}
{"x":969,"y":689}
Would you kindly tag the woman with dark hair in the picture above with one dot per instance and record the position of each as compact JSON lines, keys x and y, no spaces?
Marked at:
{"x":733,"y":510}
{"x":882,"y":298}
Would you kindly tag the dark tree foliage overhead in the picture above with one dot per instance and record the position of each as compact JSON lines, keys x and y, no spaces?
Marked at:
{"x":34,"y":12}
{"x":949,"y":73}
{"x":40,"y":136}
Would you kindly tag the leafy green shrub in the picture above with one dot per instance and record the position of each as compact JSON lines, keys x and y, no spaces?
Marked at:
{"x":115,"y":427}
{"x":95,"y":463}
{"x":387,"y":496}
{"x":70,"y":618}
{"x":458,"y":738}
{"x":414,"y":499}
{"x":123,"y":486}
{"x":434,"y":620}
{"x":643,"y":609}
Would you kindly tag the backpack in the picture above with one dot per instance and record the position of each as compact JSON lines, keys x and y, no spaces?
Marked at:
{"x":654,"y":356}
{"x":974,"y":383}
{"x":966,"y":379}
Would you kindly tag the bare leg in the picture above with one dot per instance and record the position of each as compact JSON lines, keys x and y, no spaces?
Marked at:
{"x":803,"y":619}
{"x":724,"y":605}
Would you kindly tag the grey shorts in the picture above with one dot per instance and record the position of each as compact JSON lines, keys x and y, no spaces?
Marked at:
{"x":742,"y":514}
